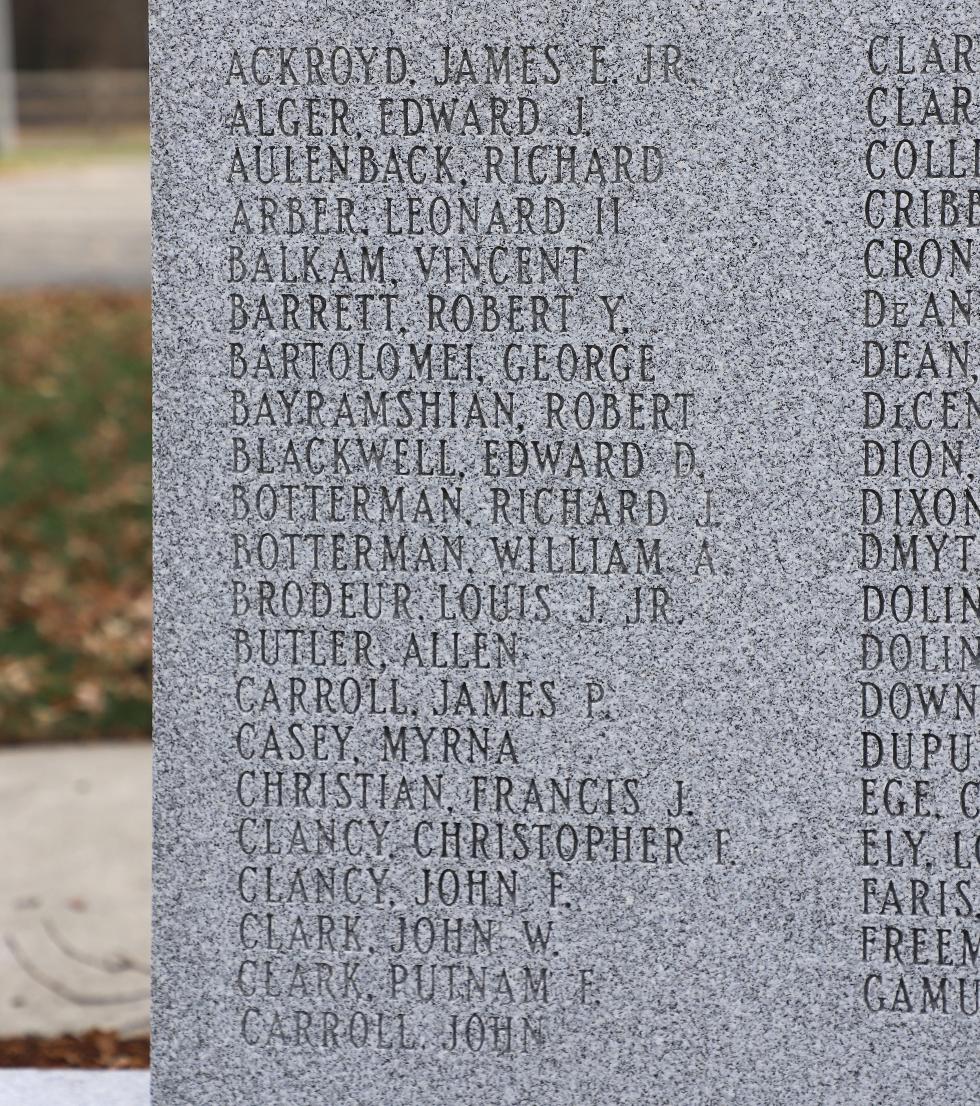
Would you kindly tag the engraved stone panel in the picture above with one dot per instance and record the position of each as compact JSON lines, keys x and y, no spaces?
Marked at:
{"x":565,"y":510}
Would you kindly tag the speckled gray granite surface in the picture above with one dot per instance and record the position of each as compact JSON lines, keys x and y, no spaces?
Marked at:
{"x":576,"y":935}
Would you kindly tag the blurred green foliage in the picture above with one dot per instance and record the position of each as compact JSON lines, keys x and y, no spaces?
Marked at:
{"x":63,"y":147}
{"x":75,"y":560}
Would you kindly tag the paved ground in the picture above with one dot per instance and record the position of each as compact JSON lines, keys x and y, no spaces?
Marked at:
{"x":76,"y":224}
{"x":74,"y":1088}
{"x":75,"y":892}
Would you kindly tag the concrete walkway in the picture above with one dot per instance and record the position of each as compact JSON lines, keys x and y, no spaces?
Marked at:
{"x":76,"y":224}
{"x":74,"y":1088}
{"x":74,"y":889}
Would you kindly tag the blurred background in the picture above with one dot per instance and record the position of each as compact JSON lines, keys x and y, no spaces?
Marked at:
{"x":75,"y":601}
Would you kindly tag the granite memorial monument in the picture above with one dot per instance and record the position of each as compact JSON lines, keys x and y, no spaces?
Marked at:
{"x":566,"y":522}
